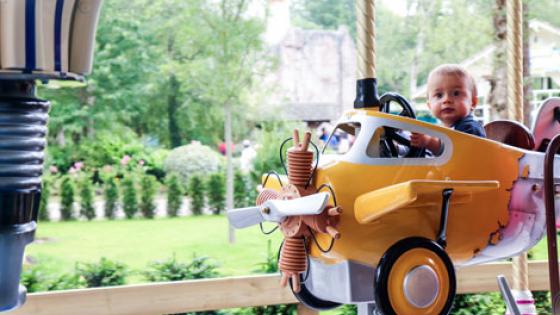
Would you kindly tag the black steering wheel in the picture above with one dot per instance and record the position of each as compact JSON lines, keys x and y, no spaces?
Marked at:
{"x":392,"y":135}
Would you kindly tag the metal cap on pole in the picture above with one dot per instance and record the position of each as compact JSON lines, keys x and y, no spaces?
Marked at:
{"x":366,"y":85}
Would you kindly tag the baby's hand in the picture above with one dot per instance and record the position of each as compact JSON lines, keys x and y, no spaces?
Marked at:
{"x":419,"y":140}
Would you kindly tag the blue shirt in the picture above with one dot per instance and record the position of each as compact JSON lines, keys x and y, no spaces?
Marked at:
{"x":470,"y":126}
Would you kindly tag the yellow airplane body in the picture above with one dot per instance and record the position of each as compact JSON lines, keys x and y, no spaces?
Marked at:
{"x":392,"y":205}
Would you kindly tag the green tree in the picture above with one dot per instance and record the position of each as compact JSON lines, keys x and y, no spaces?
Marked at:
{"x":215,"y":188}
{"x":67,"y":199}
{"x":44,"y":203}
{"x":240,"y":189}
{"x":196,"y":194}
{"x":86,"y":198}
{"x":130,"y":201}
{"x":148,"y":189}
{"x":111,"y":193}
{"x":174,"y":195}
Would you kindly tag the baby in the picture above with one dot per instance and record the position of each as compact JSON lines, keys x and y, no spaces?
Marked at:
{"x":452,"y":96}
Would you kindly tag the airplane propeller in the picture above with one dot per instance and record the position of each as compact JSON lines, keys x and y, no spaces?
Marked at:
{"x":278,"y":210}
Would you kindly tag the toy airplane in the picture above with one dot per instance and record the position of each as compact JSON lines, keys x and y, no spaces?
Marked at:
{"x":387,"y":223}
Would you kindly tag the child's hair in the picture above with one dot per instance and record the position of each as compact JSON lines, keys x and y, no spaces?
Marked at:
{"x":457,"y":70}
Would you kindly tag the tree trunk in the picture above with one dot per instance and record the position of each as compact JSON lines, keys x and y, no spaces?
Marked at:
{"x":229,"y":168}
{"x":497,"y":97}
{"x":172,"y":108}
{"x":527,"y":90}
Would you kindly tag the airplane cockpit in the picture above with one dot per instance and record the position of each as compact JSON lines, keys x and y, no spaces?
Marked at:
{"x":379,"y":138}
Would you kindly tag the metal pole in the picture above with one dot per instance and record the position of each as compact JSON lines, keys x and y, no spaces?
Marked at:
{"x":551,"y":238}
{"x":514,"y":20}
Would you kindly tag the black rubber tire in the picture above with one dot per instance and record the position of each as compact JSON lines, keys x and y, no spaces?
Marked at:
{"x":390,"y":258}
{"x":311,"y":301}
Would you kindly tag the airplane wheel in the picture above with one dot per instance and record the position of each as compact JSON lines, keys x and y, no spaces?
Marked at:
{"x":311,"y":301}
{"x":415,"y":276}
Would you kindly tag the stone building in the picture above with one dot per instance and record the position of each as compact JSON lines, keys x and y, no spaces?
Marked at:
{"x":315,"y":76}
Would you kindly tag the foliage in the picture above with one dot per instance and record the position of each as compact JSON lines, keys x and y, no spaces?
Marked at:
{"x":130,"y":201}
{"x":268,"y":154}
{"x":86,"y":198}
{"x":148,"y":189}
{"x":348,"y":309}
{"x":196,"y":193}
{"x":111,"y":193}
{"x":474,"y":304}
{"x":102,"y":274}
{"x":542,"y":302}
{"x":172,"y":270}
{"x":36,"y":279}
{"x":216,"y":189}
{"x":270,"y":265}
{"x":327,"y":14}
{"x":45,"y":194}
{"x":192,"y":159}
{"x":67,"y":199}
{"x":174,"y":195}
{"x":241,"y":191}
{"x":33,"y":279}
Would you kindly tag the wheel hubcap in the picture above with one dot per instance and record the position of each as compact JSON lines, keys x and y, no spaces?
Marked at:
{"x":421,"y":286}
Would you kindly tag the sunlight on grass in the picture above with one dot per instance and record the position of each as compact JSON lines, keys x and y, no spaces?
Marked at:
{"x":136,"y":243}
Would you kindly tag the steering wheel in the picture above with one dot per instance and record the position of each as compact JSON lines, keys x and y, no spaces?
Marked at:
{"x":392,"y":135}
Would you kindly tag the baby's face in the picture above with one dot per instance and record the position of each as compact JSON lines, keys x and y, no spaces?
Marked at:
{"x":450,"y":98}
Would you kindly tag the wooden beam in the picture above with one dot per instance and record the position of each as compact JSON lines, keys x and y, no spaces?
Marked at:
{"x":161,"y":298}
{"x":223,"y":293}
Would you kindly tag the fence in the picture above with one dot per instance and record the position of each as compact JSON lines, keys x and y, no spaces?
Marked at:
{"x":223,"y":293}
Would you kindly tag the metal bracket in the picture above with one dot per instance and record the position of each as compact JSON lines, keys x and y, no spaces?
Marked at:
{"x":507,"y":296}
{"x":442,"y":235}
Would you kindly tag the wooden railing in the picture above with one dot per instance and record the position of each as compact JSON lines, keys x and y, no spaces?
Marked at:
{"x":223,"y":293}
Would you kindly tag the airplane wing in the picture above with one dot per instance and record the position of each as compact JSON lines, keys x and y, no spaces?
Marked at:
{"x":416,"y":193}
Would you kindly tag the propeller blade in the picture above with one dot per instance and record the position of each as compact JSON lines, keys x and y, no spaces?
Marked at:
{"x":312,"y":204}
{"x":244,"y":217}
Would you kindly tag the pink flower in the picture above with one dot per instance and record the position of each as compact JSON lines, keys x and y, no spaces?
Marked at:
{"x":72,"y":170}
{"x":125,"y":160}
{"x":107,"y":168}
{"x":53,"y":169}
{"x":141,"y":162}
{"x":78,"y":165}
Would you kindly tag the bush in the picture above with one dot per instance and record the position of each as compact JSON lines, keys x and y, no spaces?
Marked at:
{"x":216,"y":188}
{"x":33,"y":279}
{"x":66,"y":282}
{"x":267,"y":158}
{"x":174,"y":195}
{"x":44,"y":203}
{"x":130,"y":202}
{"x":67,"y":199}
{"x":111,"y":193}
{"x":86,"y":199}
{"x":172,"y":270}
{"x":241,"y":191}
{"x":148,"y":189}
{"x":270,"y":265}
{"x":103,"y":274}
{"x":188,"y":160}
{"x":196,"y":193}
{"x":474,"y":304}
{"x":542,"y":302}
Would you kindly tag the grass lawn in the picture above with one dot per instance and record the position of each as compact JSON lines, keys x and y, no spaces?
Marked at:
{"x":136,"y":243}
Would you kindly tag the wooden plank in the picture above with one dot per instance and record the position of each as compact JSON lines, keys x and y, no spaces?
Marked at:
{"x":223,"y":293}
{"x":161,"y":298}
